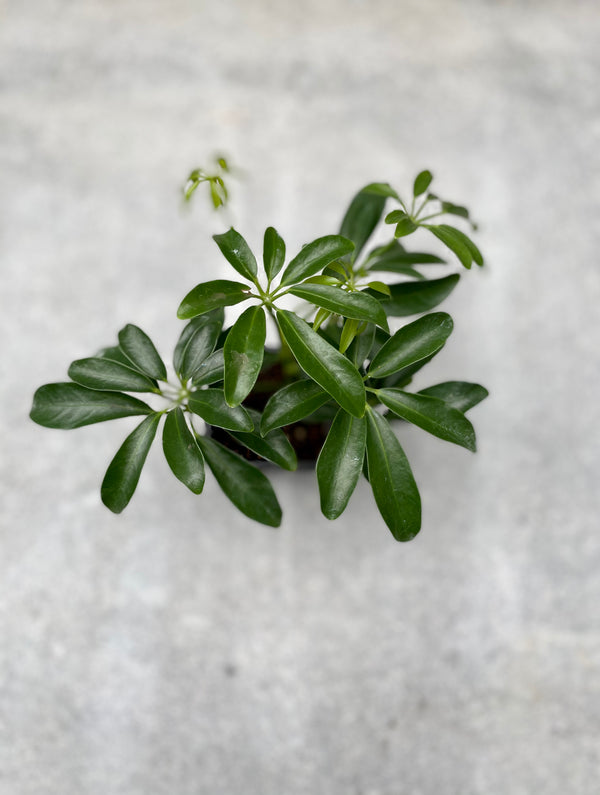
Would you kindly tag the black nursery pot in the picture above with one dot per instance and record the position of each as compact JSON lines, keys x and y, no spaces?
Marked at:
{"x":306,"y":437}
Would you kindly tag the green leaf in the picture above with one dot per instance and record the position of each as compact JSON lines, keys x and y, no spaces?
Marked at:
{"x":274,"y":446}
{"x":394,"y":488}
{"x":455,"y":209}
{"x":321,"y":316}
{"x":340,"y":462}
{"x":332,"y":281}
{"x":400,"y":261}
{"x":211,"y":370}
{"x":381,"y":189}
{"x":382,"y":287}
{"x":323,"y":363}
{"x":69,"y":406}
{"x":115,"y":354}
{"x":361,"y":218}
{"x":346,"y":304}
{"x":124,"y":470}
{"x":198,"y":344}
{"x":395,"y":216}
{"x":314,"y":257}
{"x":413,"y":298}
{"x":466,"y":241}
{"x":361,"y":345}
{"x":244,"y":484}
{"x":211,"y":295}
{"x":243,"y":351}
{"x":109,"y":375}
{"x":411,"y":343}
{"x":422,"y":182}
{"x":406,"y":226}
{"x":210,"y":404}
{"x":292,"y":403}
{"x":349,"y":332}
{"x":237,"y":252}
{"x":448,"y":237}
{"x":460,"y":395}
{"x":139,"y":348}
{"x":182,"y":452}
{"x":431,"y":414}
{"x":273,"y":253}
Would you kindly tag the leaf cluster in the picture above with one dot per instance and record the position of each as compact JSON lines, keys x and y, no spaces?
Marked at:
{"x":342,"y":360}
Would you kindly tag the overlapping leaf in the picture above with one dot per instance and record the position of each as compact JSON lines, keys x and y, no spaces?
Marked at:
{"x":123,"y":473}
{"x":243,"y":354}
{"x":394,"y":488}
{"x":340,"y":462}
{"x":416,"y":341}
{"x":314,"y":257}
{"x":67,"y":405}
{"x":245,"y":485}
{"x":431,"y":414}
{"x":139,"y":348}
{"x":323,"y":363}
{"x":292,"y":403}
{"x":211,"y":295}
{"x":182,"y":452}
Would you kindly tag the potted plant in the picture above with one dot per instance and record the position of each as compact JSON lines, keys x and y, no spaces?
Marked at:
{"x":334,"y":390}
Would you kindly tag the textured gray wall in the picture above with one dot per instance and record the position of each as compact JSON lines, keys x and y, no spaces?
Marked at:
{"x":181,"y":649}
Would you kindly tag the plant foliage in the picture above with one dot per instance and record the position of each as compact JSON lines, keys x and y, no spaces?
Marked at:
{"x":343,"y":365}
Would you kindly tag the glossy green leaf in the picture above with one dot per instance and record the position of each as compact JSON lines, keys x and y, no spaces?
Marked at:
{"x":237,"y":252}
{"x":413,"y":298}
{"x":323,"y":363}
{"x":361,"y":218}
{"x":182,"y":452}
{"x":383,"y":288}
{"x":139,"y":348}
{"x":394,"y":488}
{"x":211,"y":295}
{"x":448,"y":237}
{"x":243,"y":351}
{"x":109,"y":375}
{"x":314,"y":257}
{"x":273,"y":253}
{"x":422,"y":182}
{"x":321,"y":316}
{"x":460,"y":395}
{"x":274,"y":446}
{"x":349,"y":332}
{"x":431,"y":414}
{"x":198,"y":344}
{"x":115,"y":354}
{"x":340,"y":462}
{"x":245,"y":485}
{"x":210,"y":404}
{"x":362,"y":345}
{"x":69,"y":406}
{"x":411,"y":343}
{"x":359,"y":306}
{"x":332,"y":281}
{"x":124,"y":470}
{"x":211,"y":371}
{"x":292,"y":403}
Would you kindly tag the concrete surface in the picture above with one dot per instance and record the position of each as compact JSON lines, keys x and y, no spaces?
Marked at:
{"x":181,"y":649}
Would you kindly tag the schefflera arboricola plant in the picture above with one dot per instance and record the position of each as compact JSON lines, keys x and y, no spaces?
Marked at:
{"x":342,"y":362}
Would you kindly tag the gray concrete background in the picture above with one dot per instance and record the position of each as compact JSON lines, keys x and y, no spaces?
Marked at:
{"x":180,"y":648}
